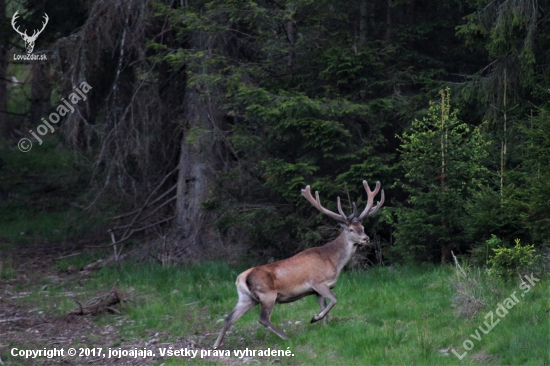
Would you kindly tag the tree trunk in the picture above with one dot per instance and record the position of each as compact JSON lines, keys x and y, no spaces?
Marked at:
{"x":192,"y":180}
{"x":446,"y":253}
{"x":412,"y":11}
{"x":370,"y":15}
{"x":388,"y":22}
{"x":3,"y":73}
{"x":363,"y":22}
{"x":40,"y":93}
{"x":291,"y":32}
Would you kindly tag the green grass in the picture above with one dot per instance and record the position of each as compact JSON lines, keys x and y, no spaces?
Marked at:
{"x":400,"y":315}
{"x":7,"y":272}
{"x":29,"y":228}
{"x":81,"y":259}
{"x":39,"y":189}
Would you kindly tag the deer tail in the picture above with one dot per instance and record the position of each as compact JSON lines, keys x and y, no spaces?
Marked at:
{"x":242,"y":286}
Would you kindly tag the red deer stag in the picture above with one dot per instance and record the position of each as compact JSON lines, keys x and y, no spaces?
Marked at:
{"x":313,"y":271}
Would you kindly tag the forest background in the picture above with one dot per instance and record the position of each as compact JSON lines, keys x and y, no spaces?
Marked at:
{"x":206,"y":119}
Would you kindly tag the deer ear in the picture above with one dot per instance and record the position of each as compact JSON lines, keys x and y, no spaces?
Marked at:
{"x":342,"y":225}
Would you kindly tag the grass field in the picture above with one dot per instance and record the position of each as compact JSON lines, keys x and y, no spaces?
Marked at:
{"x":384,"y":316}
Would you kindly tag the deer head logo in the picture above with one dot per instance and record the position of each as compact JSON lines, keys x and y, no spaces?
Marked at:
{"x":29,"y":40}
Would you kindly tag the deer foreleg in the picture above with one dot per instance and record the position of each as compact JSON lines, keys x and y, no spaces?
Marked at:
{"x":323,"y":291}
{"x":323,"y":304}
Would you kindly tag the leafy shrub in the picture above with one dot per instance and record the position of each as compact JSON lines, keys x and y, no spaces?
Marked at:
{"x":509,"y":262}
{"x":479,"y":255}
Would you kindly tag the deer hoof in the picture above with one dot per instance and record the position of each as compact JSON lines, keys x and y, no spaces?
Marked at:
{"x":316,"y":318}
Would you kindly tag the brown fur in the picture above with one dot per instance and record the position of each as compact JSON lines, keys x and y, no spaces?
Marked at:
{"x":311,"y":272}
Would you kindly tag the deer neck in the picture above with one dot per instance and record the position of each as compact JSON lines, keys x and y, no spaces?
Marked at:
{"x":342,"y":248}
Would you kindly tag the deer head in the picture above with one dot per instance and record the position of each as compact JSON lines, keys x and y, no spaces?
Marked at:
{"x":29,"y":40}
{"x":353,"y":229}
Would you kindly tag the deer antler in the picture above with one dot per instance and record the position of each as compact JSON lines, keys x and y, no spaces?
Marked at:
{"x":350,"y":217}
{"x":13,"y":25}
{"x":37,"y":33}
{"x":24,"y":34}
{"x":369,"y":210}
{"x":317,"y":203}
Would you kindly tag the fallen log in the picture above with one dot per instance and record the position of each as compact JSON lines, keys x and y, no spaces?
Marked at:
{"x":100,"y":304}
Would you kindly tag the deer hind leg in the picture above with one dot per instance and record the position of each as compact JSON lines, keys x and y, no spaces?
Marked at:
{"x":246,"y":302}
{"x":267,"y":302}
{"x":324,"y":292}
{"x":323,"y":304}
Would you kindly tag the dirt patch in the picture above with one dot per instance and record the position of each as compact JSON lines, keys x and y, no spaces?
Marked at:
{"x":483,"y":358}
{"x":27,"y":327}
{"x":24,"y":329}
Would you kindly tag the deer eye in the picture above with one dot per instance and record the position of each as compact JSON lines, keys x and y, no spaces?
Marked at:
{"x":351,"y":230}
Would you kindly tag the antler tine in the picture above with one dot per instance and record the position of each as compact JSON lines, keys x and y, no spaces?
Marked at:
{"x":329,"y":213}
{"x":340,"y":207}
{"x":317,"y":203}
{"x":368,"y":210}
{"x":350,"y":217}
{"x":378,"y":205}
{"x":37,"y":32}
{"x":46,"y":19}
{"x":15,"y":16}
